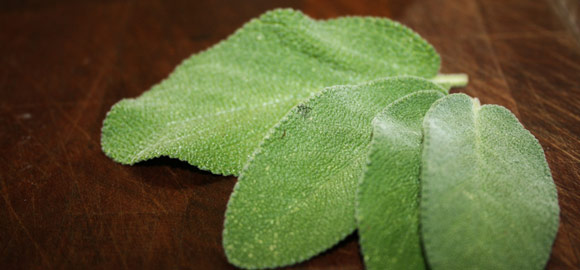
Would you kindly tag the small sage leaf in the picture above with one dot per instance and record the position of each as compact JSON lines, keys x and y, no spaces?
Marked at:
{"x":216,"y":107}
{"x":387,"y":209}
{"x":488,"y":200}
{"x":295,"y":197}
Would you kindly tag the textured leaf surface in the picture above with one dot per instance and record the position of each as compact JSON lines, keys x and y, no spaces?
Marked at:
{"x":295,"y":198}
{"x":488,"y":200}
{"x":216,"y":107}
{"x":388,"y":197}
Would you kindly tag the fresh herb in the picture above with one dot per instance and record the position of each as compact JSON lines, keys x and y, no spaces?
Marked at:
{"x":449,"y":184}
{"x":488,"y":200}
{"x":296,"y":196}
{"x":216,"y":107}
{"x":387,"y":209}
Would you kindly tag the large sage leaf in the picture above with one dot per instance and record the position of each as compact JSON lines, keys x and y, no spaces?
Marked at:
{"x":216,"y":106}
{"x":295,"y":198}
{"x":387,"y":209}
{"x":488,"y":200}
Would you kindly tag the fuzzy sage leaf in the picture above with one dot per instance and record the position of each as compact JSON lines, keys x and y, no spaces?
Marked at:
{"x":216,"y":107}
{"x":387,"y":208}
{"x":295,"y":197}
{"x":488,"y":200}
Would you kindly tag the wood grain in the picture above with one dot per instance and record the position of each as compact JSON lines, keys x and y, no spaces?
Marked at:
{"x":64,"y":205}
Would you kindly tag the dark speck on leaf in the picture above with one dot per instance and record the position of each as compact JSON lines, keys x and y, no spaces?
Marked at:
{"x":304,"y":110}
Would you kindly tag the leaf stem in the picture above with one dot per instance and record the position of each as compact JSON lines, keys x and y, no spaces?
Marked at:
{"x":451,"y":80}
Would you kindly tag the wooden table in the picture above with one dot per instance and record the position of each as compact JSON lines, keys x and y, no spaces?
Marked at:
{"x":65,"y":205}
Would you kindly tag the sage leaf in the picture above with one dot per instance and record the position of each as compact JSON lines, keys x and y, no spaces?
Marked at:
{"x":215,"y":108}
{"x":295,"y":197}
{"x":387,"y":208}
{"x":488,"y":200}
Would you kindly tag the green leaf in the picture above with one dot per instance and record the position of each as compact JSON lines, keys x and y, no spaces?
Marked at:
{"x":216,"y":106}
{"x":295,"y":197}
{"x":387,"y":208}
{"x":488,"y":200}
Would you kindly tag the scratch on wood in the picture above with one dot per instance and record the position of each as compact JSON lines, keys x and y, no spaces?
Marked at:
{"x":495,"y":60}
{"x":13,"y":213}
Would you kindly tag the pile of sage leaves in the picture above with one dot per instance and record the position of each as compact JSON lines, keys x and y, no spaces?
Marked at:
{"x":344,"y":124}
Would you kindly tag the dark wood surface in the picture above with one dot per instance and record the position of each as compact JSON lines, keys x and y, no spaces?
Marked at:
{"x":65,"y":205}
